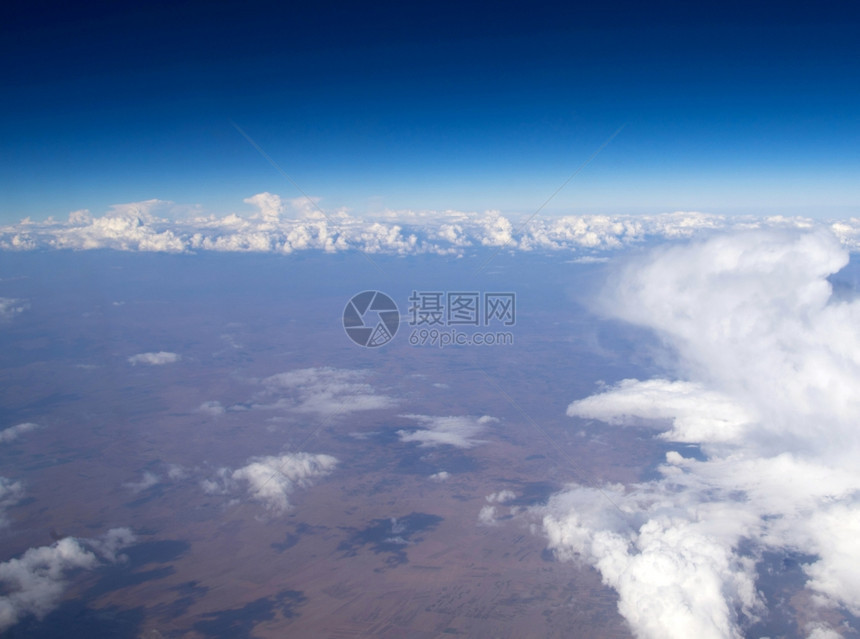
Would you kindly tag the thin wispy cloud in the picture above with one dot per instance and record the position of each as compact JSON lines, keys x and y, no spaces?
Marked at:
{"x":154,"y":359}
{"x":456,"y":431}
{"x":147,"y":481}
{"x":322,"y":391}
{"x":767,"y":372}
{"x":14,"y":432}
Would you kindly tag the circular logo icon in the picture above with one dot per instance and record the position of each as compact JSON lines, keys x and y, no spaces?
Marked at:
{"x":371,"y":319}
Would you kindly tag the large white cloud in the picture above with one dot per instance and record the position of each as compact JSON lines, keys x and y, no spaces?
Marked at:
{"x":271,"y":480}
{"x":281,"y":225}
{"x":766,"y":383}
{"x":34,"y":583}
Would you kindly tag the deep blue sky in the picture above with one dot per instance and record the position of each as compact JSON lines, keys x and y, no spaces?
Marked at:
{"x":728,"y":108}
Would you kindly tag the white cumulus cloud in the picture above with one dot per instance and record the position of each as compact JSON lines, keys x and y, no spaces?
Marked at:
{"x":271,"y":480}
{"x":766,"y":384}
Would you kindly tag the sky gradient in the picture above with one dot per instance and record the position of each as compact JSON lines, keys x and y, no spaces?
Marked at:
{"x":729,"y":109}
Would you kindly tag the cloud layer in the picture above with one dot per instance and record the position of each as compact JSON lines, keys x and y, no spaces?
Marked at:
{"x":767,"y":372}
{"x":286,"y":226}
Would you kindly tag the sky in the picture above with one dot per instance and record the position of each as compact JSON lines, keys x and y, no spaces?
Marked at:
{"x":725,"y":108}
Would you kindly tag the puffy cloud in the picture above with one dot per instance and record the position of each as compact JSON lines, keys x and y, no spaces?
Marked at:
{"x":271,"y":206}
{"x":768,"y":363}
{"x":13,"y":432}
{"x":496,"y":230}
{"x":459,"y":432}
{"x":676,"y":574}
{"x":487,"y":515}
{"x":441,"y":476}
{"x":322,"y":391}
{"x":154,"y":359}
{"x":271,"y":480}
{"x":34,"y":583}
{"x":501,"y":497}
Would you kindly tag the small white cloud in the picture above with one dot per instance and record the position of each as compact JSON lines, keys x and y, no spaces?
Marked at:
{"x":212,"y":407}
{"x":487,"y":516}
{"x":501,"y":497}
{"x":34,"y":583}
{"x":271,"y":480}
{"x":270,"y":205}
{"x":146,"y":482}
{"x":441,"y":476}
{"x":459,"y":432}
{"x":154,"y":359}
{"x":12,"y":433}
